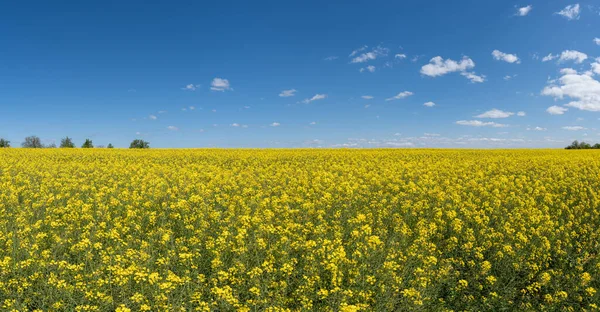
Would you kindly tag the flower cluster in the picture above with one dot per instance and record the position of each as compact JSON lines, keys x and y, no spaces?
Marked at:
{"x":292,"y":230}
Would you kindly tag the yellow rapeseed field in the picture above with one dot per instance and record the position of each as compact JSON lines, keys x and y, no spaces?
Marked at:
{"x":297,"y":230}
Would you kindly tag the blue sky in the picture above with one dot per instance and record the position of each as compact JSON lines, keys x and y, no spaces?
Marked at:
{"x":200,"y":74}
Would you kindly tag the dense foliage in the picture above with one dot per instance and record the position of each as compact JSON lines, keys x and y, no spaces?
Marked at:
{"x":323,"y":230}
{"x":582,"y":145}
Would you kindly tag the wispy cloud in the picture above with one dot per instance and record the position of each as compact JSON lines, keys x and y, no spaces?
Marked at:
{"x":330,"y":58}
{"x":152,"y":117}
{"x":523,"y":11}
{"x":367,"y":97}
{"x":573,"y":128}
{"x":316,"y":97}
{"x":478,"y":123}
{"x":495,"y":113}
{"x":191,"y":87}
{"x":220,"y":84}
{"x":172,"y":128}
{"x":536,"y":129}
{"x":368,"y":56}
{"x":288,"y":93}
{"x":474,"y":78}
{"x":369,"y":68}
{"x":506,"y":57}
{"x":556,"y":110}
{"x":570,"y":12}
{"x":275,"y":124}
{"x":399,"y":96}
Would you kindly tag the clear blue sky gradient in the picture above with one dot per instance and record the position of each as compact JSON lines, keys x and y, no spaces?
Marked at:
{"x":100,"y":69}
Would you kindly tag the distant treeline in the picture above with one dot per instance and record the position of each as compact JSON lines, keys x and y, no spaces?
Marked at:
{"x":67,"y":142}
{"x":582,"y":145}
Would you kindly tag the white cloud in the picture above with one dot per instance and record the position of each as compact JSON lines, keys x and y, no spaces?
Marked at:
{"x":369,"y":68}
{"x":152,"y":117}
{"x":537,"y":129}
{"x":570,"y":12}
{"x":573,"y":128}
{"x":571,"y":55}
{"x":315,"y":98}
{"x":597,"y":41}
{"x":400,"y":56}
{"x":220,"y":84}
{"x":367,"y":97}
{"x":312,"y":123}
{"x":172,"y":128}
{"x":524,"y":10}
{"x":495,"y":113}
{"x":509,"y":58}
{"x":288,"y":93}
{"x":331,"y":58}
{"x":509,"y":77}
{"x":192,"y":107}
{"x":275,"y":124}
{"x":478,"y":123}
{"x":191,"y":87}
{"x":438,"y":66}
{"x":429,"y":104}
{"x":473,"y":77}
{"x":549,"y":57}
{"x":583,"y":89}
{"x":521,"y":114}
{"x":162,"y":112}
{"x":568,"y":71}
{"x":235,"y":124}
{"x":365,"y":57}
{"x":358,"y":51}
{"x":556,"y":110}
{"x":400,"y":95}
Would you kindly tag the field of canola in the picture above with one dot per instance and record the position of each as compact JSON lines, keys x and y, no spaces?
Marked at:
{"x":297,"y":230}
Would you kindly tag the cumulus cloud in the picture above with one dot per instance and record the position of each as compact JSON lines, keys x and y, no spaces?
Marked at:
{"x":367,"y":97}
{"x":400,"y":95}
{"x":521,"y":114}
{"x":368,"y":56}
{"x":220,"y":84}
{"x":403,"y":56}
{"x":568,"y":71}
{"x":275,"y":124}
{"x":573,"y":128}
{"x":438,"y":66}
{"x":506,"y":57}
{"x":556,"y":110}
{"x":479,"y":123}
{"x":570,"y":12}
{"x":315,"y":98}
{"x":172,"y":128}
{"x":597,"y":41}
{"x":495,"y":113}
{"x":571,"y":55}
{"x":523,"y":11}
{"x":429,"y":104}
{"x":583,"y":90}
{"x":288,"y":93}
